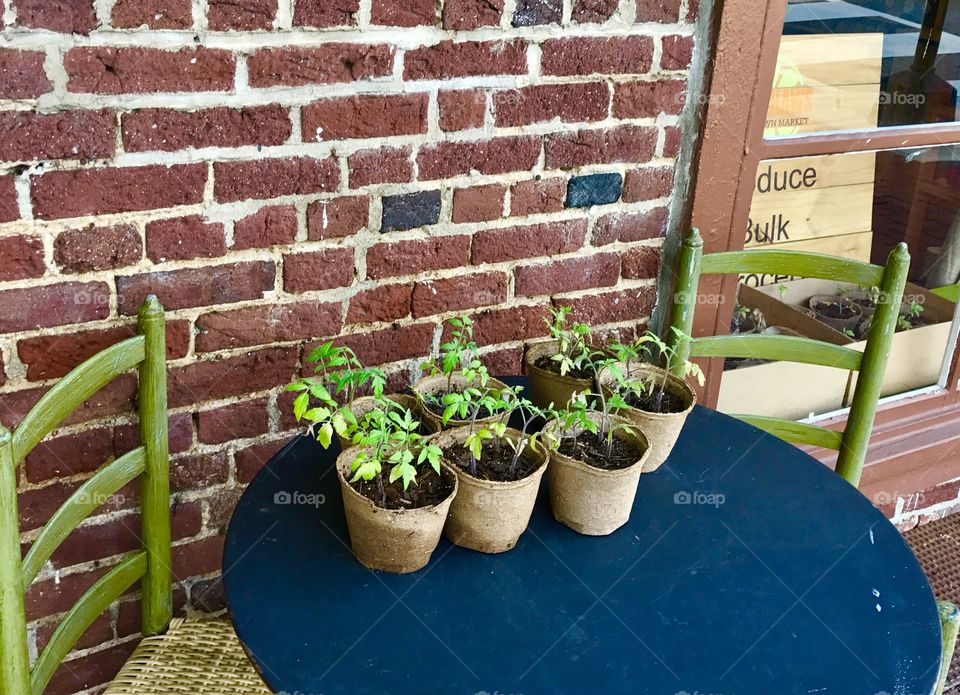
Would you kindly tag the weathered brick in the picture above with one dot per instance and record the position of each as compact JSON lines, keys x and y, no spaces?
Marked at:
{"x":95,"y":668}
{"x":535,"y":12}
{"x":630,"y":226}
{"x":198,"y":471}
{"x":504,"y":361}
{"x":442,"y":160}
{"x":267,"y":324}
{"x":97,"y":248}
{"x":455,"y":294}
{"x":537,"y":196}
{"x":465,"y":59}
{"x":198,"y":557}
{"x":383,"y":302}
{"x":404,"y":13}
{"x":478,"y":203}
{"x":380,"y":165}
{"x":241,"y":15}
{"x":100,"y":631}
{"x":391,"y":344}
{"x":647,"y":184}
{"x":463,"y":15}
{"x":593,"y":189}
{"x":511,"y":243}
{"x":138,"y":70}
{"x":671,"y":141}
{"x":296,"y":66}
{"x":677,"y":52}
{"x":190,"y":287}
{"x":21,"y":257}
{"x":325,"y":13}
{"x":618,"y":305}
{"x":9,"y":208}
{"x":523,"y":322}
{"x":410,"y":211}
{"x":593,"y":11}
{"x":649,"y":99}
{"x":169,"y":130}
{"x":179,"y":426}
{"x":368,"y":116}
{"x":64,"y":16}
{"x":317,"y":270}
{"x":114,"y":398}
{"x":417,"y":255}
{"x":251,"y":459}
{"x":584,"y":272}
{"x":236,"y":421}
{"x":461,"y":109}
{"x":26,"y":135}
{"x":59,"y":194}
{"x":211,"y":379}
{"x":626,"y":143}
{"x":183,"y":238}
{"x":641,"y":262}
{"x":339,"y":217}
{"x":270,"y":226}
{"x":273,"y":178}
{"x":25,"y":308}
{"x":571,"y":103}
{"x":658,"y":10}
{"x":629,"y":55}
{"x":155,"y":14}
{"x":22,"y":75}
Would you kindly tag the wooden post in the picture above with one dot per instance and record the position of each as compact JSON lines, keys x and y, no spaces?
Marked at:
{"x":949,"y":624}
{"x":14,"y":662}
{"x":155,"y":490}
{"x":685,"y":299}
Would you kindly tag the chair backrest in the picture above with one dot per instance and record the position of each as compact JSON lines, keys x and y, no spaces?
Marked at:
{"x":871,"y":363}
{"x":150,"y":461}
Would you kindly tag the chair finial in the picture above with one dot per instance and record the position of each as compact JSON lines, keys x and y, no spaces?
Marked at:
{"x":151,"y":307}
{"x":693,"y":238}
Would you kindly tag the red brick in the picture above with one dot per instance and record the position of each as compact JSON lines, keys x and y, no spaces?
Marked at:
{"x":595,"y":55}
{"x":454,"y":294}
{"x":241,"y":15}
{"x":649,"y":99}
{"x":25,"y":308}
{"x":584,"y":272}
{"x":630,"y":226}
{"x":593,"y":11}
{"x":198,"y":471}
{"x":296,"y":66}
{"x":609,"y":307}
{"x":184,"y":238}
{"x":465,"y":59}
{"x":52,"y":356}
{"x":155,"y":14}
{"x":325,"y":13}
{"x":571,"y":103}
{"x":504,"y":361}
{"x":26,"y":135}
{"x":138,"y":70}
{"x":478,"y":203}
{"x":339,"y":217}
{"x":641,"y":262}
{"x":236,"y":421}
{"x":463,"y":15}
{"x":461,"y":109}
{"x":114,"y":398}
{"x":251,"y":459}
{"x":21,"y":257}
{"x":537,"y":196}
{"x":671,"y":141}
{"x":368,"y":116}
{"x":404,"y":13}
{"x":190,"y":287}
{"x":97,"y":248}
{"x":513,"y":323}
{"x":179,"y":426}
{"x":198,"y":557}
{"x":677,"y":52}
{"x":381,"y":303}
{"x":22,"y":75}
{"x":511,"y":243}
{"x":417,"y":255}
{"x":3,"y":375}
{"x":658,"y":10}
{"x":64,"y":16}
{"x":168,"y":130}
{"x":72,"y":454}
{"x":626,"y":143}
{"x":9,"y":208}
{"x":264,"y":325}
{"x":380,"y":165}
{"x":272,"y":178}
{"x":269,"y":226}
{"x":317,"y":270}
{"x":95,"y":668}
{"x":49,"y":597}
{"x":443,"y":160}
{"x":391,"y":344}
{"x":59,"y":194}
{"x":206,"y":380}
{"x":647,"y":184}
{"x":100,"y":631}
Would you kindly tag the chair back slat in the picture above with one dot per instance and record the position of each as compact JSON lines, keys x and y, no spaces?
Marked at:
{"x":72,"y":390}
{"x":796,"y":432}
{"x":777,"y":347}
{"x":88,"y":497}
{"x":94,"y":601}
{"x":793,"y":263}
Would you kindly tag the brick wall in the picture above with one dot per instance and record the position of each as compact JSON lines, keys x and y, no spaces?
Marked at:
{"x":283,"y":171}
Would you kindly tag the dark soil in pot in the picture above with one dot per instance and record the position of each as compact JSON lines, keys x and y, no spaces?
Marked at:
{"x":658,"y":402}
{"x":428,"y":490}
{"x":743,"y":326}
{"x":837,"y":312}
{"x":592,"y":450}
{"x":551,"y":365}
{"x":496,"y":463}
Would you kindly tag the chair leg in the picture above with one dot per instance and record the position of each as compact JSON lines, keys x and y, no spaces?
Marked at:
{"x":950,"y":624}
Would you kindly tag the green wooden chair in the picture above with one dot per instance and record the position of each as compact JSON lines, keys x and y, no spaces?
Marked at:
{"x":851,"y":444}
{"x":175,"y":656}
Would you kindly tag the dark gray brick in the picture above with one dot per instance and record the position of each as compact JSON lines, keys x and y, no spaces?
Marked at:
{"x":533,"y":12}
{"x":409,"y":211}
{"x":594,"y":189}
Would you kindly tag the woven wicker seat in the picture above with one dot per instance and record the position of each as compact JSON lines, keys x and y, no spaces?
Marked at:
{"x":195,"y":657}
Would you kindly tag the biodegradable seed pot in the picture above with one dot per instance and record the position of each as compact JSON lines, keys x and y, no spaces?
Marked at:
{"x":662,"y":428}
{"x":591,"y":500}
{"x":490,"y":515}
{"x":548,"y":386}
{"x":438,"y":386}
{"x":362,"y":406}
{"x":392,"y":540}
{"x":837,"y":312}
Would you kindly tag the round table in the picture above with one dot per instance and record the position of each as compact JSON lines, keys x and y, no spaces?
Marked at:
{"x":747,"y":567}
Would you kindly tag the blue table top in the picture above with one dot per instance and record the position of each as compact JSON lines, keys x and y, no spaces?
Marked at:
{"x":747,"y":567}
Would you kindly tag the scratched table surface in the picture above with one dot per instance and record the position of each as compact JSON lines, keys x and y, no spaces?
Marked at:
{"x":746,"y":568}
